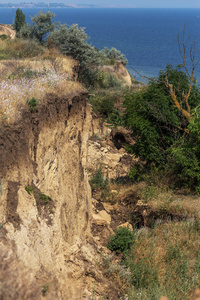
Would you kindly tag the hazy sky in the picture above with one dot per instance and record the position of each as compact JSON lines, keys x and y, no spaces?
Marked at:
{"x":145,"y":3}
{"x":131,"y":3}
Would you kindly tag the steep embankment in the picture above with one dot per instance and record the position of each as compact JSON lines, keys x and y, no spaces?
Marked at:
{"x":45,"y":198}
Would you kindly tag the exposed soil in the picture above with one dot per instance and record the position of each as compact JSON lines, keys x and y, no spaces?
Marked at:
{"x":15,"y":138}
{"x":45,"y":205}
{"x":12,"y":215}
{"x":7,"y":30}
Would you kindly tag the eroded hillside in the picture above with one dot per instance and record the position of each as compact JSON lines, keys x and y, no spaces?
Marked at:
{"x":47,"y":248}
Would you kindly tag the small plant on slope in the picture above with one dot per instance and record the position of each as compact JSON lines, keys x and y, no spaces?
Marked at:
{"x":122,"y":240}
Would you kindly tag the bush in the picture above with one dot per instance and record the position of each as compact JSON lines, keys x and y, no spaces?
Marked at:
{"x":73,"y":41}
{"x":185,"y":155}
{"x":32,"y":103}
{"x":114,"y":54}
{"x":122,"y":240}
{"x":156,"y":122}
{"x":3,"y":37}
{"x":106,"y":80}
{"x":102,"y":103}
{"x":98,"y":180}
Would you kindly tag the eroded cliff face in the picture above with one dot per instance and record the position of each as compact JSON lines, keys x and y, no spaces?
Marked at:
{"x":45,"y":200}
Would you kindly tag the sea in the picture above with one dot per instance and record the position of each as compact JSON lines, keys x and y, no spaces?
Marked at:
{"x":147,"y":37}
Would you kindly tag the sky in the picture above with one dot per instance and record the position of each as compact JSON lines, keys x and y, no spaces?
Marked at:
{"x":131,"y":3}
{"x":145,"y":3}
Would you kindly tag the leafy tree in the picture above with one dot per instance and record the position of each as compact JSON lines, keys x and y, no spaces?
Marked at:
{"x":41,"y":26}
{"x":154,"y":118}
{"x":185,"y":154}
{"x":73,"y":41}
{"x":19,"y":20}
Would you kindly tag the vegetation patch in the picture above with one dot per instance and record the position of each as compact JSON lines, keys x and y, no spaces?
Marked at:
{"x":32,"y":103}
{"x":45,"y":198}
{"x":45,"y":204}
{"x":45,"y":289}
{"x":99,"y":180}
{"x":122,"y":240}
{"x":29,"y":189}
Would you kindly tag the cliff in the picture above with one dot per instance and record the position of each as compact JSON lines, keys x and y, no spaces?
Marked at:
{"x":45,"y":198}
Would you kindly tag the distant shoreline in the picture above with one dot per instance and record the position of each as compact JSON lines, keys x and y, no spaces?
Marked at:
{"x":42,"y":5}
{"x":59,"y":5}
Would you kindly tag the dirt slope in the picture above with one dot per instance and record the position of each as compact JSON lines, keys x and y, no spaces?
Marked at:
{"x":7,"y":30}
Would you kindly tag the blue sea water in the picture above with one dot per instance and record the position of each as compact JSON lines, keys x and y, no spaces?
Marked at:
{"x":148,"y":37}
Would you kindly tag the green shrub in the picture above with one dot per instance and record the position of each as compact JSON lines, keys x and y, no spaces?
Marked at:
{"x":115,"y":118}
{"x":29,"y":189}
{"x":107,"y":81}
{"x":45,"y":198}
{"x":45,"y":289}
{"x":73,"y":41}
{"x":184,"y":155}
{"x":32,"y":103}
{"x":114,"y":54}
{"x":3,"y":37}
{"x":102,"y":103}
{"x":98,"y":180}
{"x":122,"y":240}
{"x":158,"y":125}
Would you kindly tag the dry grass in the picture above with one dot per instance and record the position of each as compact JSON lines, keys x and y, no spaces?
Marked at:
{"x":165,"y":257}
{"x":166,"y":261}
{"x":25,"y":78}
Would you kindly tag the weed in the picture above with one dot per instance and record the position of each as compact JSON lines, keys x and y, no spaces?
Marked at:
{"x":98,"y":181}
{"x":29,"y":189}
{"x":50,"y":210}
{"x":95,"y":137}
{"x":32,"y":103}
{"x":45,"y":198}
{"x":94,"y":294}
{"x":45,"y":289}
{"x":149,"y":192}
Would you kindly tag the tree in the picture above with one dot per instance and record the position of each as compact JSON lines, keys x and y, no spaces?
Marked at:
{"x":41,"y":27}
{"x":186,"y":112}
{"x":165,"y":119}
{"x":154,"y":118}
{"x":73,"y":41}
{"x":182,"y":104}
{"x":19,"y":20}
